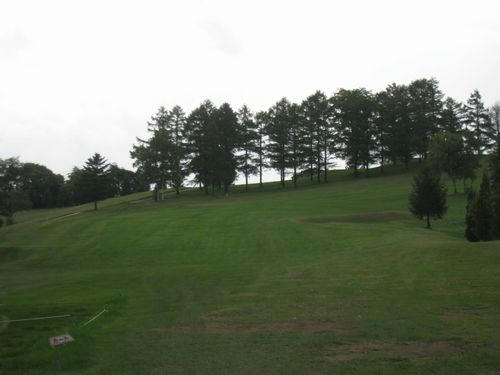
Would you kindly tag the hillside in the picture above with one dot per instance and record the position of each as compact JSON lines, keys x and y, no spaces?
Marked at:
{"x":329,"y":278}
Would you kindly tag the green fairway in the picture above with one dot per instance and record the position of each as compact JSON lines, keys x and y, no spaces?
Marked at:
{"x":327,"y":278}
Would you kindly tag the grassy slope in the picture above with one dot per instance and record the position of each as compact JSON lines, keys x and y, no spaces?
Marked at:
{"x":247,"y":284}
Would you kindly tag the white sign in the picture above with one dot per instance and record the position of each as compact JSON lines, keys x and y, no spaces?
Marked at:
{"x":58,"y":340}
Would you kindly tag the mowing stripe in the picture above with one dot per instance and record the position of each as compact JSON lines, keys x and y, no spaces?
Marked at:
{"x":40,"y":318}
{"x":95,"y":317}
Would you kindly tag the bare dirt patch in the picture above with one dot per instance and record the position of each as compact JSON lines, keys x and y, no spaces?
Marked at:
{"x":402,"y":350}
{"x":371,"y":217}
{"x":225,"y":328}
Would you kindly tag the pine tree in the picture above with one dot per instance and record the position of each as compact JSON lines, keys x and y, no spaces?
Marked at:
{"x":318,"y":133}
{"x":451,"y":116}
{"x":261,"y":121}
{"x":96,"y":184}
{"x":484,"y":211}
{"x":425,"y":107}
{"x":428,"y":197}
{"x":249,"y":146}
{"x":478,"y":121}
{"x":278,"y":133}
{"x":355,"y":116}
{"x":495,"y":188}
{"x":495,"y":121}
{"x":470,"y":217}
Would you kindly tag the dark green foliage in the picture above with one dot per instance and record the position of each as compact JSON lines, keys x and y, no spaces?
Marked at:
{"x":451,"y":116}
{"x":226,"y":140}
{"x":393,"y":107}
{"x":260,"y":121}
{"x":480,"y":216}
{"x":495,"y":188}
{"x":478,"y":121}
{"x":428,"y":197}
{"x":94,"y":180}
{"x":42,"y":185}
{"x":317,"y":127}
{"x":425,"y":107}
{"x":250,"y":143}
{"x":12,"y":197}
{"x":12,"y":201}
{"x":278,"y":132}
{"x":495,"y":122}
{"x":470,"y":217}
{"x":355,"y":116}
{"x":162,"y":159}
{"x":447,"y":154}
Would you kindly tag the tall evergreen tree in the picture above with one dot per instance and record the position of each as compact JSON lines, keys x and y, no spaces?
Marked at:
{"x":278,"y":133}
{"x":478,"y":121}
{"x":249,"y":138}
{"x":295,"y":149}
{"x":227,"y":140}
{"x":261,"y":121}
{"x":393,"y":105}
{"x":318,"y":126}
{"x":428,"y":197}
{"x":495,"y":189}
{"x":470,"y":217}
{"x":451,"y":116}
{"x":95,"y":182}
{"x":495,"y":122}
{"x":425,"y":107}
{"x":200,"y":143}
{"x":484,"y":211}
{"x":355,"y":113}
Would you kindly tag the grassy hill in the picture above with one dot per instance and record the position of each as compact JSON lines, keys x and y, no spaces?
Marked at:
{"x":330,"y":278}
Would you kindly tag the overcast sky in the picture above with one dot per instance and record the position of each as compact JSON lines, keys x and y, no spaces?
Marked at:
{"x":78,"y":77}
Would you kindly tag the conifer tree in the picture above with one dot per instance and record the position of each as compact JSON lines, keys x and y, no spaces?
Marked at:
{"x":249,"y":145}
{"x":425,"y":109}
{"x":495,"y":188}
{"x":428,"y":197}
{"x":478,"y":121}
{"x":261,"y":121}
{"x":95,"y":179}
{"x":278,"y":133}
{"x":470,"y":217}
{"x":484,"y":211}
{"x":451,"y":116}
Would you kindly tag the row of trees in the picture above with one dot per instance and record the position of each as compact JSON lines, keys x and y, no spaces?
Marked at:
{"x":30,"y":185}
{"x":214,"y":144}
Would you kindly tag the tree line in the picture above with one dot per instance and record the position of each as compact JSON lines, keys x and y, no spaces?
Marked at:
{"x":214,"y":144}
{"x":31,"y":185}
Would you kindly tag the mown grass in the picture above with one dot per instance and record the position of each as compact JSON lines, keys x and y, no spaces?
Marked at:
{"x":330,"y":278}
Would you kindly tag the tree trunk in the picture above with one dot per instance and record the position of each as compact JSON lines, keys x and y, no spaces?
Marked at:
{"x":260,"y":173}
{"x":326,"y":166}
{"x":95,"y":205}
{"x":294,"y":175}
{"x":428,"y":222}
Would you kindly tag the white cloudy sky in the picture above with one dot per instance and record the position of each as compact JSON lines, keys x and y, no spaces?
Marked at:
{"x":78,"y":77}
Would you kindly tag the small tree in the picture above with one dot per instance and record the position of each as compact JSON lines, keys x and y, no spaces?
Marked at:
{"x":495,"y":188}
{"x":95,"y":179}
{"x":428,"y":198}
{"x":484,"y":211}
{"x":470,"y":217}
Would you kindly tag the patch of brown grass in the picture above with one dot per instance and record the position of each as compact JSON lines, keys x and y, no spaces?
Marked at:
{"x":402,"y":350}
